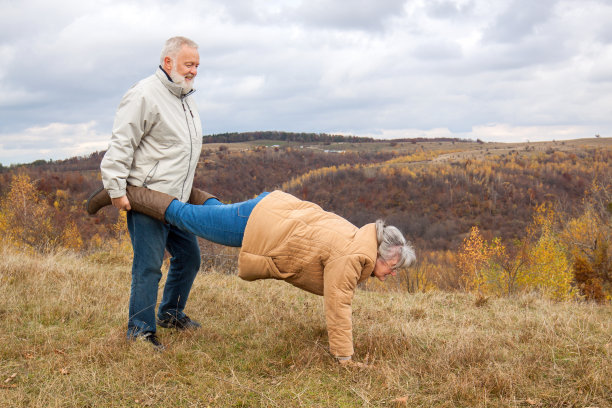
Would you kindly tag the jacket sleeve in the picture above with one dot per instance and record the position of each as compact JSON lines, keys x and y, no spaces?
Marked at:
{"x":128,"y":129}
{"x":340,"y":280}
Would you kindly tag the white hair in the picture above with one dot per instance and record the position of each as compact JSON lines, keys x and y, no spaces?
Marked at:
{"x":173,"y":46}
{"x":392,"y":245}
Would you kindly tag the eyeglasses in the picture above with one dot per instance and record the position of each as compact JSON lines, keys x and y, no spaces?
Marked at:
{"x":393,"y":268}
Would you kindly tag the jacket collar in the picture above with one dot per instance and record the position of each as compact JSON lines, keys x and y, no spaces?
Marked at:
{"x":175,"y":89}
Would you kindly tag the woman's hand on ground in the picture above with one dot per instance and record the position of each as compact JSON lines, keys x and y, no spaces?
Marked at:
{"x":352,"y":364}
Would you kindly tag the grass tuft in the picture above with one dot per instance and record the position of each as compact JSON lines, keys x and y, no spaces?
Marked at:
{"x":264,"y":344}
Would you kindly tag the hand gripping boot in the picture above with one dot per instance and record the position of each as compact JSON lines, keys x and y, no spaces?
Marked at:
{"x":149,"y":202}
{"x":142,"y":200}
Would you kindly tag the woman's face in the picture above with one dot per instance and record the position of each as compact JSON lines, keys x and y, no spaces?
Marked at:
{"x":384,"y":268}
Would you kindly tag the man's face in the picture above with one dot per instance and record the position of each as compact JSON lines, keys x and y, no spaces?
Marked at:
{"x":184,"y":68}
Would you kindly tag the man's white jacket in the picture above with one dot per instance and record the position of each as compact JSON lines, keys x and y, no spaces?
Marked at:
{"x":156,"y":140}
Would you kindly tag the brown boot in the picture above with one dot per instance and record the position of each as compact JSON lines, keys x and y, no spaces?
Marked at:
{"x":199,"y":197}
{"x":97,"y":200}
{"x":143,"y":200}
{"x":149,"y":202}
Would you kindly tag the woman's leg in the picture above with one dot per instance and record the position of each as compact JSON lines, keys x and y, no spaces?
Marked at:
{"x":214,"y":221}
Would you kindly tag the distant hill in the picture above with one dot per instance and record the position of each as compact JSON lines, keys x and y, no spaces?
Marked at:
{"x":433,"y":190}
{"x":437,"y":201}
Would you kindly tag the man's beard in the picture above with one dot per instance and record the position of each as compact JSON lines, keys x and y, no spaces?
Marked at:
{"x":180,"y":80}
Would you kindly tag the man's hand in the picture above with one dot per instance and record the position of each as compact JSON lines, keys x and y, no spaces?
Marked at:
{"x":121,"y":203}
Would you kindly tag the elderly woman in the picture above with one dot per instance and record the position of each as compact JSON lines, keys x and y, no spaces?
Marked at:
{"x":282,"y":237}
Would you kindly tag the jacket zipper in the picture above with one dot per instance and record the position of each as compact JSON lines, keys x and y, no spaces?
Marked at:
{"x":149,"y":176}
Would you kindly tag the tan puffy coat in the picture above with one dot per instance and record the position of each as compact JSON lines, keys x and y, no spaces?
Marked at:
{"x":315,"y":250}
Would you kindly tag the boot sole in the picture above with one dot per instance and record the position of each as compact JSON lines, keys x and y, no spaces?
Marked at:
{"x":91,"y":196}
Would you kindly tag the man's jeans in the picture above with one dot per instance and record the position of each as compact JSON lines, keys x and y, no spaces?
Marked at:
{"x":149,"y":239}
{"x":214,"y":221}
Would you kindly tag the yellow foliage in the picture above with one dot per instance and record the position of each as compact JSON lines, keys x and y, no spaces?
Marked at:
{"x":589,"y":241}
{"x":540,"y":263}
{"x":24,"y":217}
{"x":550,"y":272}
{"x":121,"y":245}
{"x":71,"y":238}
{"x":387,"y":168}
{"x":95,"y":241}
{"x":61,"y":199}
{"x":473,"y":260}
{"x":582,"y":233}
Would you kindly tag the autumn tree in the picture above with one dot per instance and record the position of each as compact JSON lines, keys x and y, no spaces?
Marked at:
{"x":508,"y":264}
{"x":25,"y":218}
{"x":549,"y":271}
{"x":473,"y":262}
{"x":589,"y":239}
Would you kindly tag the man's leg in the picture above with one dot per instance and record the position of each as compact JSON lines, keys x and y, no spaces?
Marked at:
{"x":184,"y":266}
{"x":148,"y":238}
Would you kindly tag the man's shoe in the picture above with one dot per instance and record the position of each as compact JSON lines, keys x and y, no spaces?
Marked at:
{"x":184,"y":323}
{"x":152,"y":338}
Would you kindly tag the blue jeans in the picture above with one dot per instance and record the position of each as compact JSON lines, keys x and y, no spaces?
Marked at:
{"x":214,"y":221}
{"x":149,"y":240}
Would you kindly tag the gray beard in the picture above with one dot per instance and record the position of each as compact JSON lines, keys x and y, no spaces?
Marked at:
{"x":180,"y":80}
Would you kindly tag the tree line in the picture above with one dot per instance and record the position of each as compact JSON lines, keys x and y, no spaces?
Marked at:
{"x":235,"y":137}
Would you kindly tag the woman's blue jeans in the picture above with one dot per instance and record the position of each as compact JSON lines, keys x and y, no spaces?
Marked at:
{"x":214,"y":221}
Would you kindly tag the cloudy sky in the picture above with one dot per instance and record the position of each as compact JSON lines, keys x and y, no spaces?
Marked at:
{"x":498,"y":70}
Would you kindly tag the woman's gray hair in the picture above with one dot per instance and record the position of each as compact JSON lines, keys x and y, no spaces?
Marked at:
{"x":173,"y":46}
{"x":392,"y":245}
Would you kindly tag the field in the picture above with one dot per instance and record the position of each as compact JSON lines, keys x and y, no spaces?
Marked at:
{"x":452,"y":331}
{"x":264,"y":344}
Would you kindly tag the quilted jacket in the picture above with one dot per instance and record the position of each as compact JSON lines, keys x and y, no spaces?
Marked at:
{"x":315,"y":250}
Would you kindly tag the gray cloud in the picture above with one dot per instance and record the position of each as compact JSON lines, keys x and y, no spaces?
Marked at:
{"x":358,"y":14}
{"x":387,"y":68}
{"x":446,"y":9}
{"x":520,"y":19}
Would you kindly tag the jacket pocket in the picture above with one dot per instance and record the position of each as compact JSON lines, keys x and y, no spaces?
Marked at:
{"x":150,"y":174}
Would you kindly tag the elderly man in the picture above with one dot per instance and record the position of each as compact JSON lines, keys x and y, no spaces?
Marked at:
{"x":156,"y":143}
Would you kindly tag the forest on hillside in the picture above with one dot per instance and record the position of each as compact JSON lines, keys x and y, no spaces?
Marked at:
{"x":324,"y":138}
{"x":441,"y":201}
{"x":283,"y":137}
{"x":437,"y":203}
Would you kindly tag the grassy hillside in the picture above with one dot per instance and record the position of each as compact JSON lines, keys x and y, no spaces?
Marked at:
{"x":264,"y":344}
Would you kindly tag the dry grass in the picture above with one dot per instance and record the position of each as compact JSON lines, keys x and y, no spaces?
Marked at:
{"x":264,"y":344}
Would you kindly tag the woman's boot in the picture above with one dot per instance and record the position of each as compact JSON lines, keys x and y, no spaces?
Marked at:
{"x":142,"y":200}
{"x":149,"y":202}
{"x":97,"y":200}
{"x":199,"y":197}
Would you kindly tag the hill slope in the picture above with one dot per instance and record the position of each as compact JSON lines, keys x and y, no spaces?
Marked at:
{"x":264,"y":344}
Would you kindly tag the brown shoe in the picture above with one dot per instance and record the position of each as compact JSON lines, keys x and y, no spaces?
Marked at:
{"x":199,"y":197}
{"x":97,"y":200}
{"x":149,"y":202}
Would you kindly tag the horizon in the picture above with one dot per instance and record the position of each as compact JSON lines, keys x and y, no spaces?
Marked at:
{"x":427,"y":140}
{"x":505,"y":71}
